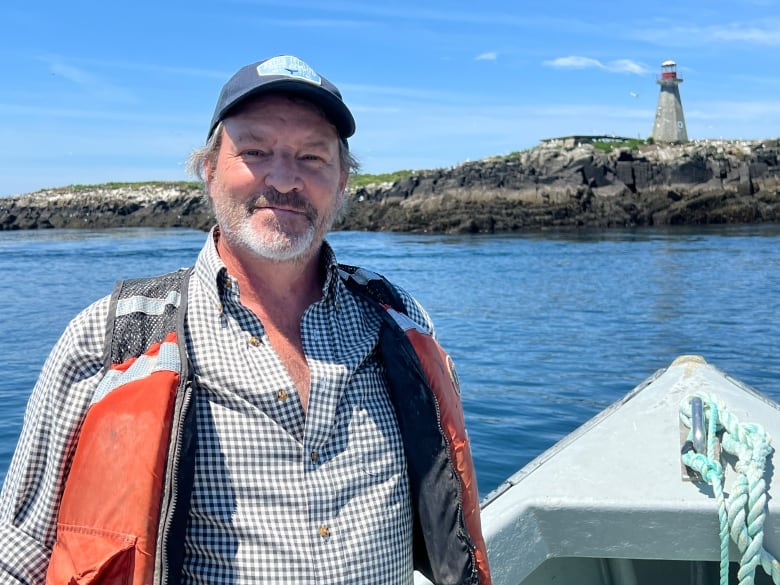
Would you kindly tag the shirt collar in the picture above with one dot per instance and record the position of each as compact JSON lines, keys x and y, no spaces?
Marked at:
{"x":330,"y":267}
{"x":213,"y":271}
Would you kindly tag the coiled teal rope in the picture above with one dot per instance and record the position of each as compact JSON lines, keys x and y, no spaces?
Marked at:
{"x":742,"y":514}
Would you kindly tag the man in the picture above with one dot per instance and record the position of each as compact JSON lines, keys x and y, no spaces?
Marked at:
{"x":277,"y":444}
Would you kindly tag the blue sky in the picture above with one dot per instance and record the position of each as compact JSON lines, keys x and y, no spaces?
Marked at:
{"x":123,"y":91}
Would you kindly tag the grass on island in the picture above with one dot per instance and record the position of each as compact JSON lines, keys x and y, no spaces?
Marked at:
{"x":514,"y":154}
{"x":355,"y":181}
{"x":362,"y":179}
{"x":607,"y":146}
{"x":184,"y":185}
{"x":610,"y":145}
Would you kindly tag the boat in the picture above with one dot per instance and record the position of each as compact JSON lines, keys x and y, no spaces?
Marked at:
{"x":671,"y":484}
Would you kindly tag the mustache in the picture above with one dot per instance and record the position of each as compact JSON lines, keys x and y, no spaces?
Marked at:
{"x":270,"y":197}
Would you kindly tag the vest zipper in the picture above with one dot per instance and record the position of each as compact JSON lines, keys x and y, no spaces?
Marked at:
{"x":170,"y":494}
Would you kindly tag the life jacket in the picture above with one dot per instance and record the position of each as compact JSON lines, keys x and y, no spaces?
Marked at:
{"x":123,"y":514}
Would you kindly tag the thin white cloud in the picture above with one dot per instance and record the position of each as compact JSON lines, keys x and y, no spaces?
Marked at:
{"x":736,"y":110}
{"x":574,"y":62}
{"x":86,"y":114}
{"x":759,"y":80}
{"x":767,"y":34}
{"x":406,"y":93}
{"x":748,"y":34}
{"x":616,"y":66}
{"x":490,"y":56}
{"x":330,"y":23}
{"x":73,"y":74}
{"x":87,"y":82}
{"x":627,"y":66}
{"x":116,"y":64}
{"x":417,"y":14}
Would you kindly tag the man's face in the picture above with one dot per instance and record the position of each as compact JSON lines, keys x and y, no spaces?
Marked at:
{"x":277,"y":183}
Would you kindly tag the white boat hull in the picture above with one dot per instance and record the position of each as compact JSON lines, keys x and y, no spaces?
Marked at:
{"x":609,"y":505}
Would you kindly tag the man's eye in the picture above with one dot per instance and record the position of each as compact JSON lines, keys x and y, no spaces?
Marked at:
{"x":254,"y":153}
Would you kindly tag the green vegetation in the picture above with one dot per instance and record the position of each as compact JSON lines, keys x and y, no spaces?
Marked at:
{"x":185,"y":185}
{"x":363,"y":179}
{"x":610,"y":145}
{"x":513,"y":154}
{"x":355,"y":181}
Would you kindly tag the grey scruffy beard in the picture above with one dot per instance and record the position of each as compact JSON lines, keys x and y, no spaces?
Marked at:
{"x":276,"y":245}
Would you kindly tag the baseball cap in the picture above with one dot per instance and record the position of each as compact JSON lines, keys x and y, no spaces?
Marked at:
{"x":288,"y":74}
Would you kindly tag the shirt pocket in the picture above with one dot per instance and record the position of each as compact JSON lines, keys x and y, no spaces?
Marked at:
{"x":374,"y":433}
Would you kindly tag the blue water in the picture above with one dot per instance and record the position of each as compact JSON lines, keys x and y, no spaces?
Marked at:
{"x":546,"y":328}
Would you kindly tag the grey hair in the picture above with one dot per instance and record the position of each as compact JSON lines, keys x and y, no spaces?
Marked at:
{"x":196,"y":162}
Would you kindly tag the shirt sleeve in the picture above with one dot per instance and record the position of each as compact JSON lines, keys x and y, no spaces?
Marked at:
{"x":35,"y":480}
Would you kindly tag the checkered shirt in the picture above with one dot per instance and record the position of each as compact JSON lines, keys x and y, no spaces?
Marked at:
{"x":279,"y":496}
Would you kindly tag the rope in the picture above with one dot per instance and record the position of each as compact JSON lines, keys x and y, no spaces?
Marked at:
{"x":742,"y":514}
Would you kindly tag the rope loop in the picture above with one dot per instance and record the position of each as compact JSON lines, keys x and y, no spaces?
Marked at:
{"x":743,"y":512}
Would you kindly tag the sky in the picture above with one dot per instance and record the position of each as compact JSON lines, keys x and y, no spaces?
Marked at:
{"x":95,"y":92}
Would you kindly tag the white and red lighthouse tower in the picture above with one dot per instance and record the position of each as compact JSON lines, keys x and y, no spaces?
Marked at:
{"x":669,"y":119}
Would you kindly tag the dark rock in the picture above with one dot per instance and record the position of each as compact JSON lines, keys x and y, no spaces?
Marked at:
{"x":554,"y":186}
{"x":550,"y":186}
{"x":141,"y":205}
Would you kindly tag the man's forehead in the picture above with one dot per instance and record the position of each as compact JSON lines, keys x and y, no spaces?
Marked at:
{"x":244,"y":133}
{"x":265,"y":108}
{"x":259,"y":128}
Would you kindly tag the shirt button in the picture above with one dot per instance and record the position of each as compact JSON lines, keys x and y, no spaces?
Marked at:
{"x":254,"y":341}
{"x":282,"y":395}
{"x":228,"y":283}
{"x":324,"y":531}
{"x":315,"y":457}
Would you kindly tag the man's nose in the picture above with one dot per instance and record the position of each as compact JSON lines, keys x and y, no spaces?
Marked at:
{"x":283,"y":173}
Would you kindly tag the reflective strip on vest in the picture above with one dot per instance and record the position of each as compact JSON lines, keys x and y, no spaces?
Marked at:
{"x":147,"y":305}
{"x":168,"y":358}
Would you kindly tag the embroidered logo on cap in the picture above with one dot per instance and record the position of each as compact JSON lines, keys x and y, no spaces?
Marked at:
{"x":288,"y":66}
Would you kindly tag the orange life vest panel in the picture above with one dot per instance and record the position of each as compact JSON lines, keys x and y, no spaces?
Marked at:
{"x":109,"y":515}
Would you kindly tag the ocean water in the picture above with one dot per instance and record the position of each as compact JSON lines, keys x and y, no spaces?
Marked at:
{"x":546,"y":329}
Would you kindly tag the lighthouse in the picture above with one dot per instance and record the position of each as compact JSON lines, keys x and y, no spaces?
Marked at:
{"x":669,"y":119}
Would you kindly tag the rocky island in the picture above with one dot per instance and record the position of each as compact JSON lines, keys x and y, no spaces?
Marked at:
{"x":558,"y":184}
